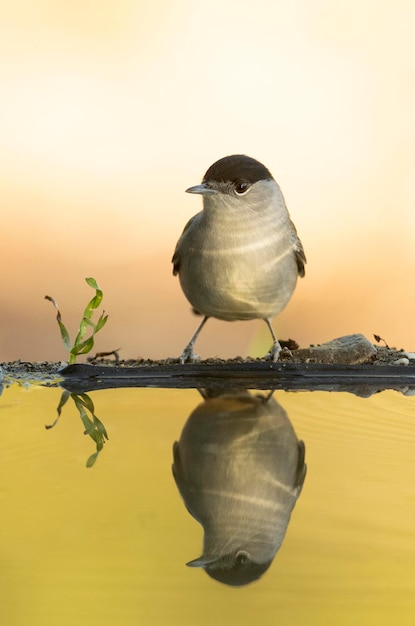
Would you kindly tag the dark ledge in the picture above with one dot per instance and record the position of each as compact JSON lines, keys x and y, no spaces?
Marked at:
{"x":349,"y":363}
{"x":363,"y":380}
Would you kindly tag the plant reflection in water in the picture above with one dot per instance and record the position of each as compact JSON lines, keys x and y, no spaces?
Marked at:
{"x":93,"y":426}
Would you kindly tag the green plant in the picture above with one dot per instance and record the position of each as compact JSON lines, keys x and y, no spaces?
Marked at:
{"x":81,"y":345}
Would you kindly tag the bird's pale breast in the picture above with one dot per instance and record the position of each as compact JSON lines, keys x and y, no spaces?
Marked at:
{"x":238,"y":269}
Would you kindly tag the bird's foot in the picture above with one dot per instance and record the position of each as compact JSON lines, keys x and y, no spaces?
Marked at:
{"x":188,"y":356}
{"x":274,"y":353}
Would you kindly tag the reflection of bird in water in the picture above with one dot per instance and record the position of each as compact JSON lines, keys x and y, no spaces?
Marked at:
{"x":239,"y":468}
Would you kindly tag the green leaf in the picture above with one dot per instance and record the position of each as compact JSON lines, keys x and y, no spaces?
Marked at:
{"x":65,"y":335}
{"x":83,"y":327}
{"x":92,"y":283}
{"x":98,"y":439}
{"x":84,"y":347}
{"x":101,"y":322}
{"x":95,"y":301}
{"x":100,"y":427}
{"x":91,"y":461}
{"x":88,"y":323}
{"x":89,"y":427}
{"x":87,"y":402}
{"x":64,"y":399}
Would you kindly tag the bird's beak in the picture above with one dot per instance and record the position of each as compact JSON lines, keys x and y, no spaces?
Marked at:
{"x":202,"y":561}
{"x":202,"y":189}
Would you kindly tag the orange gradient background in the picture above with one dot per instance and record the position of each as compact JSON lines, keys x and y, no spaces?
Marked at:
{"x":110,"y":110}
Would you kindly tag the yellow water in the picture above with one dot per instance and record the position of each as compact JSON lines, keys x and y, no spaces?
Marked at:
{"x":108,"y":545}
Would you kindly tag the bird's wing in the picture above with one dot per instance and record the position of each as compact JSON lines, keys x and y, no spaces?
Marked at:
{"x":186,"y":489}
{"x":300,"y":257}
{"x":176,"y":256}
{"x":299,"y":252}
{"x":301,"y":467}
{"x":176,"y":467}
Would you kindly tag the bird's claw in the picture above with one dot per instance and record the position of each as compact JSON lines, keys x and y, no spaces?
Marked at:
{"x":274,"y":353}
{"x":188,"y":356}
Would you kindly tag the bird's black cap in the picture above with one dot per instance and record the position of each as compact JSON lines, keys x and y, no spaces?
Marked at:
{"x":237,"y":167}
{"x":237,"y":576}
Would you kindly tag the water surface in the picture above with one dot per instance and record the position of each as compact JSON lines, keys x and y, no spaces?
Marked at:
{"x":108,"y":544}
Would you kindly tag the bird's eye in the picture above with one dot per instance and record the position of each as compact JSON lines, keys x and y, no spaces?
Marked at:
{"x":241,"y":558}
{"x":241,"y":187}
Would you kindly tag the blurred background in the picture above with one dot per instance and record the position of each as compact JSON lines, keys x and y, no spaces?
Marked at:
{"x":110,"y":110}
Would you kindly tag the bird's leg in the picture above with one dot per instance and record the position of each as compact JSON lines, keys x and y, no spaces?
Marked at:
{"x":268,"y":397}
{"x":276,"y":348}
{"x":188,"y":356}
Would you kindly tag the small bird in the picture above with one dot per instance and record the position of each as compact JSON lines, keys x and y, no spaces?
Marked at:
{"x":240,"y":468}
{"x":239,"y":258}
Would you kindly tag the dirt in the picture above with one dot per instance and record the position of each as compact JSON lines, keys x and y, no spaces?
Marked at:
{"x":353,"y":349}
